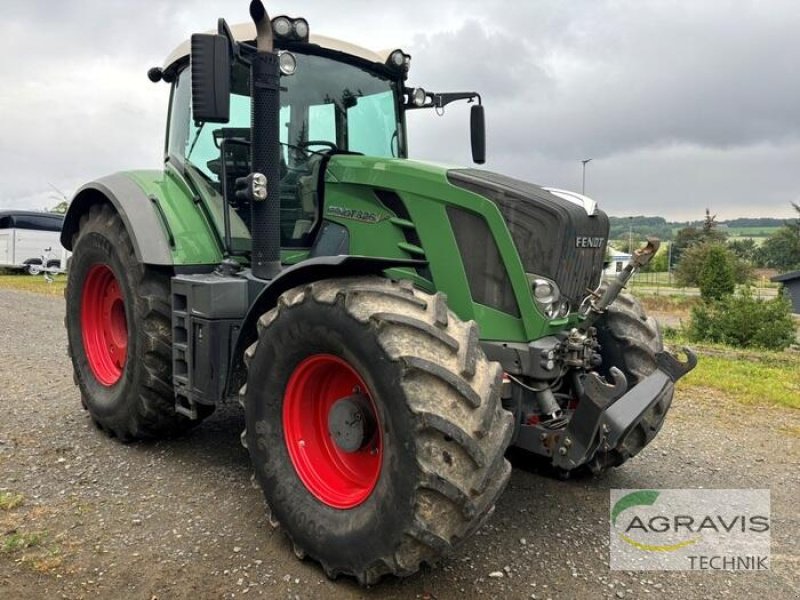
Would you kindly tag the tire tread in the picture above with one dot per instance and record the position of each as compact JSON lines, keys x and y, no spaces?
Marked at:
{"x":462,"y":422}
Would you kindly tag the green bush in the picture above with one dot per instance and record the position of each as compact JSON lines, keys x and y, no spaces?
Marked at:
{"x":694,"y":259}
{"x":717,"y":277}
{"x":744,"y":321}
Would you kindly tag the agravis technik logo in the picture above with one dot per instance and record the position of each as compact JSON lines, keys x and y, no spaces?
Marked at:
{"x":690,"y":529}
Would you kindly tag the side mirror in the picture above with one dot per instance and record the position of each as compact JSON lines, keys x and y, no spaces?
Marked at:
{"x":477,"y":124}
{"x":211,"y":78}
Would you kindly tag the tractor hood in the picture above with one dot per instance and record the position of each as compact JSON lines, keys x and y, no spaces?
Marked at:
{"x":558,"y":235}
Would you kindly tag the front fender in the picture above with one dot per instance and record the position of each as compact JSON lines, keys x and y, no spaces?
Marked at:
{"x":308,"y":271}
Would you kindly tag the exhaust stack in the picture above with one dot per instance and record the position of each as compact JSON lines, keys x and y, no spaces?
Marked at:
{"x":265,"y":147}
{"x":265,"y":40}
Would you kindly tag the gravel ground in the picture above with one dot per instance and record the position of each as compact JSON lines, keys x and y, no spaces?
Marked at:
{"x":180,"y":519}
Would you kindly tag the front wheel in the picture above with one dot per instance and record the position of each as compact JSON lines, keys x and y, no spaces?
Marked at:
{"x":374,"y":424}
{"x":630,"y":341}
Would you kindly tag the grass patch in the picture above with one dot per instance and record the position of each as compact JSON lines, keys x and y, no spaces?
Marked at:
{"x":676,"y":304}
{"x":16,"y":541}
{"x":51,"y":561}
{"x":34,"y":283}
{"x":748,"y":376}
{"x":10,"y":500}
{"x":753,"y":232}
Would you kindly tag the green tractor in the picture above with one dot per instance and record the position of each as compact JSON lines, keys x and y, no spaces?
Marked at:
{"x":390,"y":327}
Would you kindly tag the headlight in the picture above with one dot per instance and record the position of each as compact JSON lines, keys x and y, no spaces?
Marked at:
{"x":399,"y":60}
{"x":290,"y":29}
{"x":419,"y":97}
{"x":301,"y":29}
{"x":281,"y":26}
{"x":548,"y":297}
{"x":287,"y":62}
{"x":545,"y":291}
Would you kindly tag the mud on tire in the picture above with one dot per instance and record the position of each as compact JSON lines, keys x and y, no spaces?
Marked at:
{"x":443,"y":430}
{"x":140,"y":403}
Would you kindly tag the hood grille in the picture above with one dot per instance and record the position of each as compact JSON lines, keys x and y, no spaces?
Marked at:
{"x":555,"y":238}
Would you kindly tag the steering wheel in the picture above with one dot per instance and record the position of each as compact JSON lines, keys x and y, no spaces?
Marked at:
{"x":306,"y":145}
{"x":303,"y":150}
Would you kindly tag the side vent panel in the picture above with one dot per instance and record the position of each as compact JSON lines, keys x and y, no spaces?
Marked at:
{"x":412,"y":245}
{"x":488,"y":279}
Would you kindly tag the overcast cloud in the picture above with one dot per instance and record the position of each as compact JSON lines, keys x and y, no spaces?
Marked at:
{"x":682,"y":105}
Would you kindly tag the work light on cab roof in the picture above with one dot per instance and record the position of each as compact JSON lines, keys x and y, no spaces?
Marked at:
{"x":289,"y":29}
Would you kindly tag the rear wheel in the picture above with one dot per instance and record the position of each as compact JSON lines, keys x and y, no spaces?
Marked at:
{"x":33,"y":266}
{"x":375,"y":426}
{"x":119,"y":332}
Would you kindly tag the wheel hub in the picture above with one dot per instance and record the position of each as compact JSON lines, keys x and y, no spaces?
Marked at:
{"x":350,"y":423}
{"x":332,"y":431}
{"x":104,"y":326}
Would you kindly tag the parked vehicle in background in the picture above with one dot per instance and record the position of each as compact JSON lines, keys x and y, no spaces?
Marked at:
{"x":24,"y":238}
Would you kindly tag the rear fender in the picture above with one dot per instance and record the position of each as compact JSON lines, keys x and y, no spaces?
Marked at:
{"x":166,"y":221}
{"x":151,"y":242}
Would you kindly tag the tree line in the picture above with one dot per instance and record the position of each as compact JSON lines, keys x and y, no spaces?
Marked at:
{"x":689,"y":245}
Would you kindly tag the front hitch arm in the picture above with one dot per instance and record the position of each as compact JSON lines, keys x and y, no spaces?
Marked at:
{"x":598,"y":303}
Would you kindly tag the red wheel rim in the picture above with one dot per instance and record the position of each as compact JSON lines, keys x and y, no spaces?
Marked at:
{"x":103,"y":325}
{"x":337,"y":478}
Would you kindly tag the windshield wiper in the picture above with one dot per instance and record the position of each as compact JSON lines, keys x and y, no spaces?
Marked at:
{"x":196,"y":138}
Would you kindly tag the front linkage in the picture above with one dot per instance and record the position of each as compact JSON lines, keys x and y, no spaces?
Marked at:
{"x":608,"y":412}
{"x":619,"y":379}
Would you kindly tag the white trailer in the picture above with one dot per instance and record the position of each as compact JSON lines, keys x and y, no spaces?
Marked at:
{"x":31,"y":240}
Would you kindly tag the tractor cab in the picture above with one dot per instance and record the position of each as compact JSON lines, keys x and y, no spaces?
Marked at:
{"x":335,"y":98}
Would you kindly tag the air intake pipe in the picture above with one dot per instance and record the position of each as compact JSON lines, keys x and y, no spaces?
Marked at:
{"x":265,"y":147}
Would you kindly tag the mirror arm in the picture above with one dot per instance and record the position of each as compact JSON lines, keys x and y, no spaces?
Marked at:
{"x":439,"y":101}
{"x":442,"y":100}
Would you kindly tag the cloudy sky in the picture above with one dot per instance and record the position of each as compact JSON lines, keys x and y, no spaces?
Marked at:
{"x":681,"y":105}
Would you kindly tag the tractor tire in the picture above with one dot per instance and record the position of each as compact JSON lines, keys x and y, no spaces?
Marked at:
{"x":630,"y":340}
{"x":420,"y":464}
{"x":119,"y":332}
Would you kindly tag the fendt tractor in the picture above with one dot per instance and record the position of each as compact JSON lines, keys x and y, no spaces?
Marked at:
{"x":390,"y":327}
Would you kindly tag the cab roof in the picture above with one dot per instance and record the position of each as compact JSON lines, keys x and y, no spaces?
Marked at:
{"x":246,"y":32}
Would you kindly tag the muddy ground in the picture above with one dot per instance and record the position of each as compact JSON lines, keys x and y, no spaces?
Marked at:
{"x":180,"y":519}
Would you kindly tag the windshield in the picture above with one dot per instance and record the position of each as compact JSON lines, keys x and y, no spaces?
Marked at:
{"x":340,"y":105}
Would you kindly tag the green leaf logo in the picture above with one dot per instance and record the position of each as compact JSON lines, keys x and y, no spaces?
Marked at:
{"x":644,"y":498}
{"x":640,"y":498}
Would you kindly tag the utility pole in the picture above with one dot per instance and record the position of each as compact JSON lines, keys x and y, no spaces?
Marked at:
{"x":583,"y":186}
{"x":669,"y":263}
{"x":630,"y":235}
